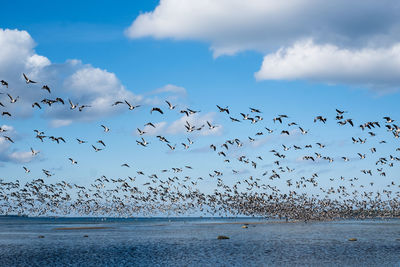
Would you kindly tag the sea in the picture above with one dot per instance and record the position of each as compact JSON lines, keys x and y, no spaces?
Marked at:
{"x":26,"y":241}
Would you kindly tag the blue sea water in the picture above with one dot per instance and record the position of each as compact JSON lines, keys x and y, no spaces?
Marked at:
{"x":193,"y":242}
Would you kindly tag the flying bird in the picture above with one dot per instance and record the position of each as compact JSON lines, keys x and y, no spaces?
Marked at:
{"x":8,"y":139}
{"x":83,"y":106}
{"x":170,"y":106}
{"x":234,"y":119}
{"x":27,"y":80}
{"x":210,"y":126}
{"x":156,"y":109}
{"x":320,"y":118}
{"x":255,"y":110}
{"x":150,"y":124}
{"x":140,"y":131}
{"x":96,"y":149}
{"x":73,"y":161}
{"x":340,"y":112}
{"x":106,"y":129}
{"x":34,"y":152}
{"x":4,"y":83}
{"x":37,"y":105}
{"x":223,"y":109}
{"x":131,"y":107}
{"x":72,"y":105}
{"x":12,"y":100}
{"x":80,"y":141}
{"x":117,"y":103}
{"x":47,"y":88}
{"x":171,"y":147}
{"x":101,"y":142}
{"x":58,"y":99}
{"x":185,"y":112}
{"x":388,"y":119}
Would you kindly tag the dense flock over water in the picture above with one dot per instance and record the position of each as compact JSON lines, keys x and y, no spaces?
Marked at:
{"x":274,"y":167}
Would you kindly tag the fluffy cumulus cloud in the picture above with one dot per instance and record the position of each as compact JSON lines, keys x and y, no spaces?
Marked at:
{"x":95,"y":88}
{"x":235,"y":25}
{"x":377,"y":68}
{"x":17,"y":53}
{"x":366,"y":28}
{"x":82,"y":83}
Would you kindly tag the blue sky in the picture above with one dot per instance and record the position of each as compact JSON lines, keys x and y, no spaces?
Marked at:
{"x":197,"y":55}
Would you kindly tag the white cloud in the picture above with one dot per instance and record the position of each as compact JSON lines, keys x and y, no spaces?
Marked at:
{"x":170,"y":88}
{"x":7,"y":128}
{"x":36,"y":61}
{"x":82,"y":83}
{"x":16,"y":51}
{"x":236,"y":25}
{"x":21,"y":156}
{"x":93,"y":87}
{"x":368,"y":31}
{"x":376,"y":68}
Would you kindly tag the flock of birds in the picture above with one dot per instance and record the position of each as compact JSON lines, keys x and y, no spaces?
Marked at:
{"x":268,"y":185}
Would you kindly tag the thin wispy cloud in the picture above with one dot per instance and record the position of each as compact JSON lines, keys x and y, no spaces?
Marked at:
{"x":170,"y":88}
